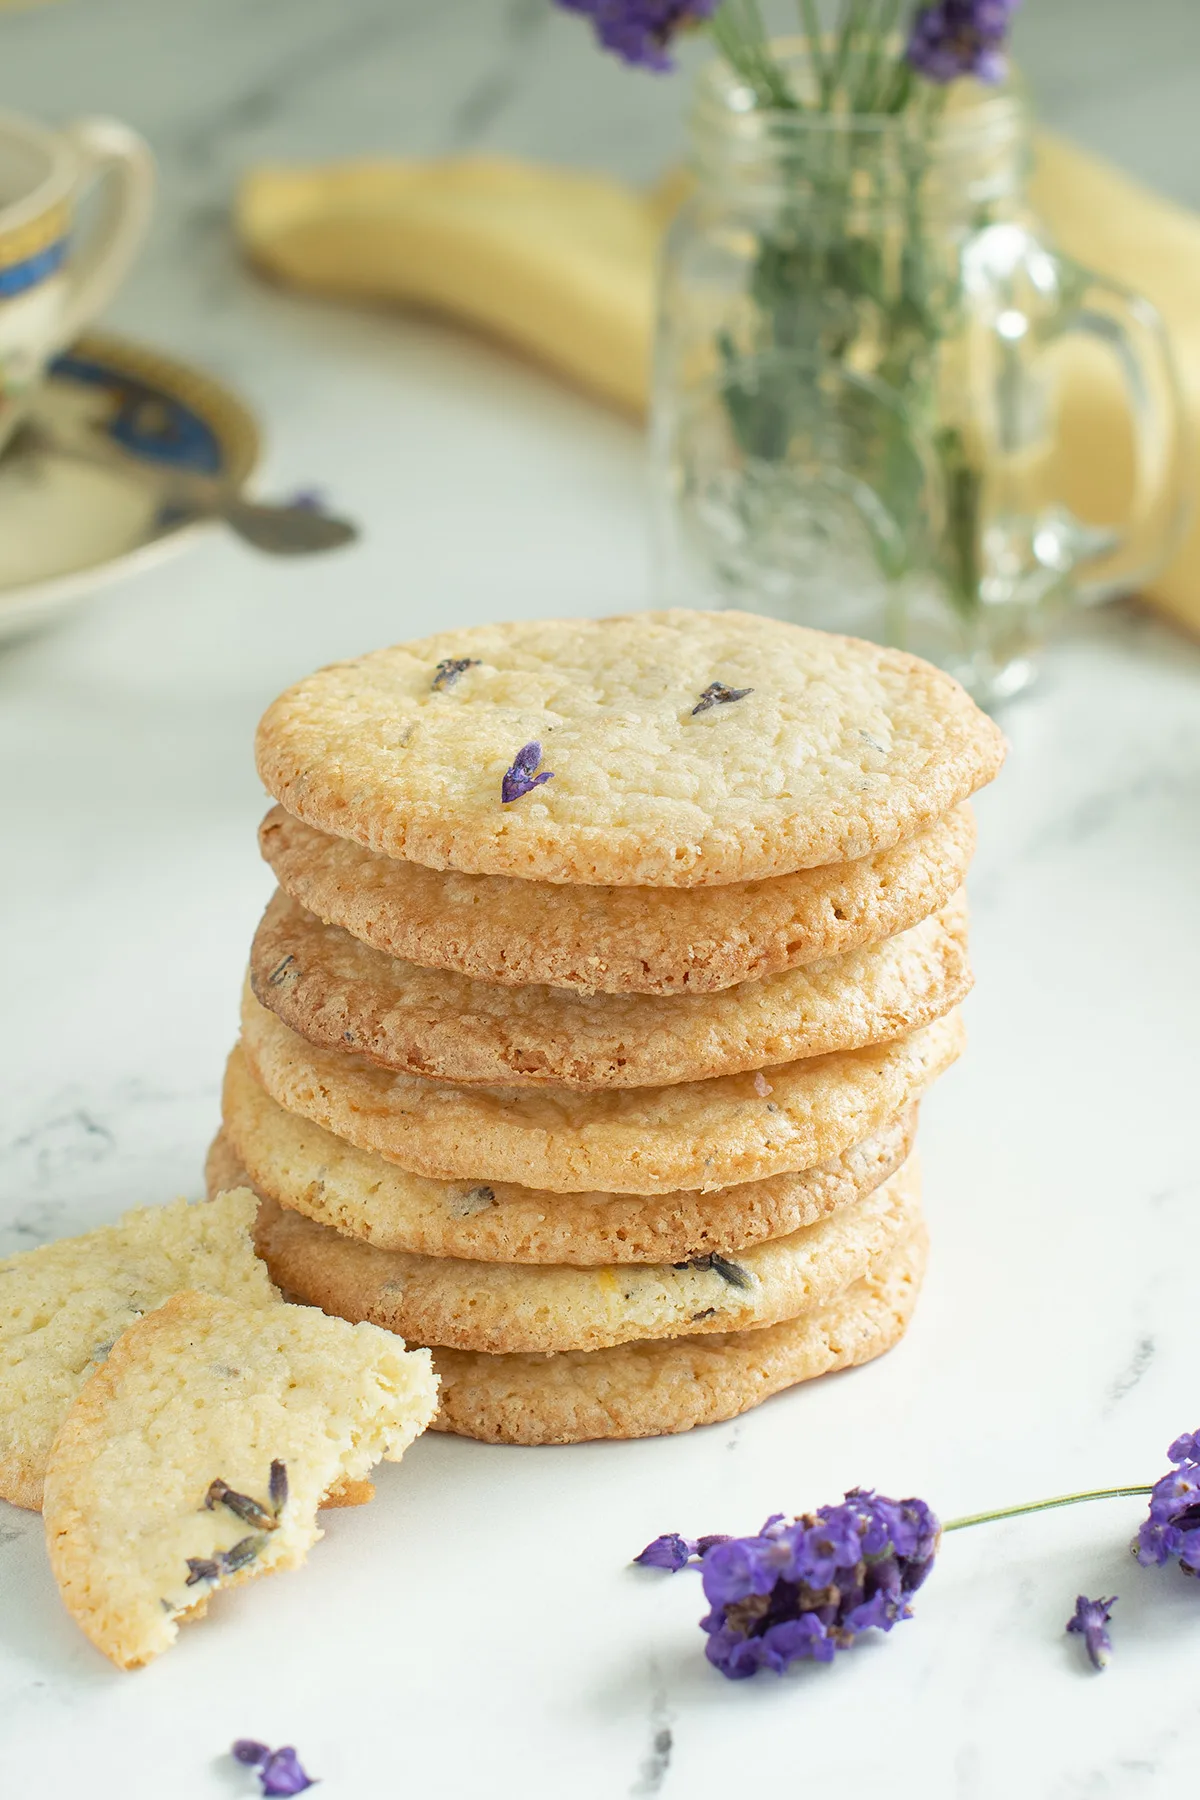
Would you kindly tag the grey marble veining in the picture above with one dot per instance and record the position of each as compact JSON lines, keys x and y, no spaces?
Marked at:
{"x":476,"y":1631}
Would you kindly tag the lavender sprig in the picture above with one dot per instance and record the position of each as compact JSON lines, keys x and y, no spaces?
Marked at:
{"x":519,"y":777}
{"x":805,"y":1590}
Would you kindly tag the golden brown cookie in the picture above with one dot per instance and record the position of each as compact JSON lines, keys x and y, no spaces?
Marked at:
{"x":671,"y":749}
{"x":648,"y":1390}
{"x":308,"y":1170}
{"x":339,"y":993}
{"x":611,"y":939}
{"x":698,"y":1134}
{"x":197,"y":1456}
{"x":515,"y":1307}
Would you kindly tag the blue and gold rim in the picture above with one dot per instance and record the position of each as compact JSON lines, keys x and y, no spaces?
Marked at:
{"x":31,"y":253}
{"x":165,"y":411}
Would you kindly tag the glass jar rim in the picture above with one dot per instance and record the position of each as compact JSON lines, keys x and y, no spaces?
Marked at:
{"x":724,"y":106}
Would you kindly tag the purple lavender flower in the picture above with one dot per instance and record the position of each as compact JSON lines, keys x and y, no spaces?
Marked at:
{"x":1173,"y":1527}
{"x":805,"y":1590}
{"x":961,"y":37}
{"x":1090,"y":1620}
{"x":279,"y":1771}
{"x":640,"y":31}
{"x":519,"y":777}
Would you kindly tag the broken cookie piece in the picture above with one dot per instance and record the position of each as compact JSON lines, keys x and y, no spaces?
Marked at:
{"x":64,"y":1305}
{"x":197,"y":1455}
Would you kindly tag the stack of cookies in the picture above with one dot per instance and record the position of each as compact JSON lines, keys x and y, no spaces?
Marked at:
{"x":584,"y":1037}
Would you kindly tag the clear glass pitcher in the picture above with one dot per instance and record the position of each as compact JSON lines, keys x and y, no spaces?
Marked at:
{"x":862,"y":346}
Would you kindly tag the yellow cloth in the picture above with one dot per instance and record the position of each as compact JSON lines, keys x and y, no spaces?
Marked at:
{"x":560,"y":265}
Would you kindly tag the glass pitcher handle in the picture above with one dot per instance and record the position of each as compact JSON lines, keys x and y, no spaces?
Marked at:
{"x":1023,"y":299}
{"x":1131,"y":328}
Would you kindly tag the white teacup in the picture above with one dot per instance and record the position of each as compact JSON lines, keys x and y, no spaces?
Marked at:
{"x":49,"y":285}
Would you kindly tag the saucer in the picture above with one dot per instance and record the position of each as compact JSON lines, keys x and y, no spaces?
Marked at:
{"x":69,"y":526}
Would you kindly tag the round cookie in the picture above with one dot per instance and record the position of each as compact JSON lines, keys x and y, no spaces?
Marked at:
{"x":308,"y":1170}
{"x":515,"y":1307}
{"x":339,"y":993}
{"x":672,"y":749}
{"x":609,"y":939}
{"x":649,"y":1390}
{"x":698,"y":1134}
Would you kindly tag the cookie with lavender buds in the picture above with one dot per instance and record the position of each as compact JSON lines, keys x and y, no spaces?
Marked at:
{"x":66,"y":1304}
{"x":339,"y":993}
{"x":672,"y":749}
{"x":696,"y":1134}
{"x":615,"y":940}
{"x":505,"y":1307}
{"x":196,"y":1457}
{"x":649,"y":1390}
{"x":308,"y":1170}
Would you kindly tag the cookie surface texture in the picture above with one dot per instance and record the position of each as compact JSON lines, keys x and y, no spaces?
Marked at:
{"x":677,"y":749}
{"x":503,"y":1307}
{"x":306,"y":1169}
{"x":649,"y":1390}
{"x":63,"y":1306}
{"x":197,"y":1456}
{"x":340,"y":994}
{"x":698,"y":1134}
{"x":635,"y":940}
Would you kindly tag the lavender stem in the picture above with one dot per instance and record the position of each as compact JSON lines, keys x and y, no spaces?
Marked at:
{"x":1032,"y":1506}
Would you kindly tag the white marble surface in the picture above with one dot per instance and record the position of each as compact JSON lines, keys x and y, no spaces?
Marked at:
{"x":476,"y":1632}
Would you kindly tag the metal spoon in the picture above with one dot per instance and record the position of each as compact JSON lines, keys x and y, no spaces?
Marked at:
{"x":281,"y":530}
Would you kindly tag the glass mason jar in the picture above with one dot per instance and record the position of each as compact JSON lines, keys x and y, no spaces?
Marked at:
{"x":863,"y":338}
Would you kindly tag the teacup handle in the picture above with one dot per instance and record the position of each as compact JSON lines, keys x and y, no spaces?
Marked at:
{"x":1131,"y":328}
{"x":116,"y":157}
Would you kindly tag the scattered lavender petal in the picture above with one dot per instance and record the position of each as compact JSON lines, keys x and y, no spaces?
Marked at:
{"x":247,"y":1750}
{"x":282,"y":1773}
{"x":669,"y":1552}
{"x":1090,"y":1620}
{"x":310,"y":500}
{"x":279,"y":1771}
